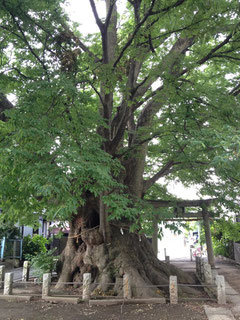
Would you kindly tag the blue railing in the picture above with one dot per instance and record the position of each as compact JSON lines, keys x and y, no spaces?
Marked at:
{"x":11,"y":249}
{"x":2,"y":248}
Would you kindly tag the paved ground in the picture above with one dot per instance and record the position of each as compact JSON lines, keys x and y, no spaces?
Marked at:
{"x":17,"y":273}
{"x":219,"y":313}
{"x":231,"y":272}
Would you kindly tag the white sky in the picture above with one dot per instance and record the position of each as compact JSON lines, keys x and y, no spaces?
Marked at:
{"x":80,"y":11}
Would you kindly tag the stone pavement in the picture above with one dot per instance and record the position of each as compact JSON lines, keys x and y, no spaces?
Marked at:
{"x":17,"y":273}
{"x":218,"y":313}
{"x":231,"y":272}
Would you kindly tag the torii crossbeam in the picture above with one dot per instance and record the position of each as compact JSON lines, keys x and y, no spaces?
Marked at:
{"x":180,"y":214}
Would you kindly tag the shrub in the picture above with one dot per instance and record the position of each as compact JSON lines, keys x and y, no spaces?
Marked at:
{"x":33,"y":246}
{"x":224,"y":233}
{"x":44,"y":262}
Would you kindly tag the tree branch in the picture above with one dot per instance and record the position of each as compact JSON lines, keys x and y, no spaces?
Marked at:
{"x":98,"y":20}
{"x":149,"y":13}
{"x":167,"y":65}
{"x":21,"y":74}
{"x":134,"y":34}
{"x":109,"y":14}
{"x":87,"y":50}
{"x":216,"y":48}
{"x":161,"y":173}
{"x":136,"y":145}
{"x":166,"y":35}
{"x":210,"y":54}
{"x":166,"y":9}
{"x":168,"y":168}
{"x":5,"y":104}
{"x":235,"y":90}
{"x":146,"y":98}
{"x":119,"y":124}
{"x":144,"y":86}
{"x":168,"y":62}
{"x":97,"y":92}
{"x":225,"y":56}
{"x":29,"y":46}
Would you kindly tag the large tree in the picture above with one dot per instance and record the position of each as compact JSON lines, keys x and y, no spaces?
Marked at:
{"x":100,"y":124}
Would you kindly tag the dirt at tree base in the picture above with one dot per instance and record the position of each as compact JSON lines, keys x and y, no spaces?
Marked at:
{"x":39,"y":310}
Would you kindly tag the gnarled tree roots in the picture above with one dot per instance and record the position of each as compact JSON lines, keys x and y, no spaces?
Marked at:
{"x":127,"y":253}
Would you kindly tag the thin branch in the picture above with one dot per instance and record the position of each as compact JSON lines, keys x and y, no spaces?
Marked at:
{"x":234,"y":90}
{"x":225,"y":56}
{"x":109,"y":14}
{"x":139,"y":85}
{"x":12,"y":32}
{"x":236,"y":93}
{"x":134,"y":34}
{"x":122,"y":119}
{"x":219,"y":46}
{"x":151,"y":95}
{"x":87,"y":50}
{"x":165,"y":35}
{"x":136,"y":145}
{"x":150,"y":12}
{"x":98,"y":20}
{"x":21,"y":74}
{"x":29,"y":46}
{"x":97,"y":92}
{"x":169,"y":168}
{"x":179,"y":48}
{"x":151,"y":44}
{"x":169,"y":61}
{"x":210,"y":54}
{"x":166,"y":9}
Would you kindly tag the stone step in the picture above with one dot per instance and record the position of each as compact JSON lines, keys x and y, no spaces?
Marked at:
{"x":220,"y":313}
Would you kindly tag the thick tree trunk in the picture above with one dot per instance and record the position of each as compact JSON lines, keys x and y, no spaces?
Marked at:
{"x":127,"y":253}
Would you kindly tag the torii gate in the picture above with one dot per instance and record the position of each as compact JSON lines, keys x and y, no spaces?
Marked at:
{"x":180,"y":214}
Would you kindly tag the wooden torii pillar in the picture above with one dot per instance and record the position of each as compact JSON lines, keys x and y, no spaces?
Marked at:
{"x":155,"y":235}
{"x":180,"y":212}
{"x":206,"y":223}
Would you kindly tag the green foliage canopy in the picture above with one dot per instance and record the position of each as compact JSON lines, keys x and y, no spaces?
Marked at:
{"x":173,"y":87}
{"x":224,"y":232}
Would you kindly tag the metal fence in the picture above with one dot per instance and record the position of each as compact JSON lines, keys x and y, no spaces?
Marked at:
{"x":237,"y":251}
{"x":11,"y":249}
{"x":46,"y":289}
